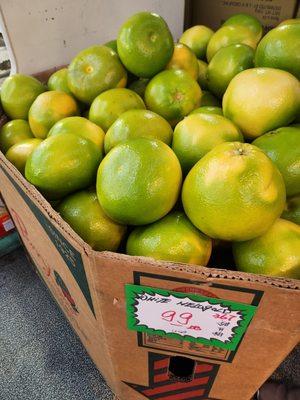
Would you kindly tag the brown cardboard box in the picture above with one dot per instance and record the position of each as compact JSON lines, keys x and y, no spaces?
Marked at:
{"x":89,"y":287}
{"x":214,"y":12}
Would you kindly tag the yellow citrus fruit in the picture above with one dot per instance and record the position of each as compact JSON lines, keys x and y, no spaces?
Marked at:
{"x":173,"y":94}
{"x":202,"y":77}
{"x":292,"y":210}
{"x":13,"y":132}
{"x":234,"y":192}
{"x":47,"y":109}
{"x":139,"y":181}
{"x":79,"y":126}
{"x":139,"y":86}
{"x":283,"y":147}
{"x":183,"y":58}
{"x":59,"y":81}
{"x":290,"y":21}
{"x":258,"y":100}
{"x":227,"y":63}
{"x":84,"y":214}
{"x":62,"y":164}
{"x":208,"y":110}
{"x":280,"y":48}
{"x":173,"y":238}
{"x":109,"y":105}
{"x":94,"y":70}
{"x":19,"y":152}
{"x":112,"y":44}
{"x":197,"y":134}
{"x":209,"y":100}
{"x":197,"y":38}
{"x":227,"y":35}
{"x":275,"y":253}
{"x":145,"y":44}
{"x":18,"y":92}
{"x":138,"y":123}
{"x":247,"y":21}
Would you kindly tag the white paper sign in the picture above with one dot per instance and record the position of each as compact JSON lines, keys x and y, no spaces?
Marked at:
{"x":196,"y":318}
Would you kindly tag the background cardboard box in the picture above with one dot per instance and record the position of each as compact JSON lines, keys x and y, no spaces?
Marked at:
{"x":214,"y":12}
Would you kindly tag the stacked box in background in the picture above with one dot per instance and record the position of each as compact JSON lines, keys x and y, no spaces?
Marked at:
{"x":9,"y":238}
{"x":213,"y":13}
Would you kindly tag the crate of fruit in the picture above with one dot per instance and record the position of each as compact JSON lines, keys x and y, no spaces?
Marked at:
{"x":155,"y":184}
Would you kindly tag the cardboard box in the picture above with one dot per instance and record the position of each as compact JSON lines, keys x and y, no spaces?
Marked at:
{"x":214,"y":12}
{"x":90,"y":286}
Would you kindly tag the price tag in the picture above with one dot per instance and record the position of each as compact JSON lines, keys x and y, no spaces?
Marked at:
{"x":188,"y":317}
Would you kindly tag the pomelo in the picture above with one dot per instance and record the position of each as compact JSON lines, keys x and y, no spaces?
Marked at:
{"x":259,"y":100}
{"x":197,"y":38}
{"x":173,"y":94}
{"x":84,"y":214}
{"x":109,"y":105}
{"x":13,"y":132}
{"x":94,"y":70}
{"x":173,"y":238}
{"x":275,"y":253}
{"x":145,"y":44}
{"x":234,"y":192}
{"x":138,"y":123}
{"x":139,"y":181}
{"x":62,"y":164}
{"x":47,"y":109}
{"x":18,"y":92}
{"x":197,"y":134}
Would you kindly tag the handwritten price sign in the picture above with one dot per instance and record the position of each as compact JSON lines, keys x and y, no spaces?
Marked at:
{"x":188,"y":317}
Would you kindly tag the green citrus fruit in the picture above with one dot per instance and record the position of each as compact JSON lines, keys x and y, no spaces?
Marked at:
{"x":234,"y":192}
{"x":208,"y":99}
{"x":292,"y":209}
{"x":275,"y":253}
{"x":197,"y":38}
{"x":139,"y":86}
{"x":108,"y":106}
{"x":139,"y":181}
{"x":13,"y":132}
{"x":62,"y":164}
{"x":173,"y":94}
{"x":258,"y":100}
{"x":19,"y":152}
{"x":59,"y":81}
{"x":173,"y":238}
{"x":197,"y":134}
{"x":280,"y":48}
{"x":247,"y":21}
{"x":183,"y":58}
{"x":79,"y":126}
{"x":47,"y":109}
{"x":202,"y":77}
{"x":138,"y":123}
{"x":283,"y":147}
{"x":84,"y":214}
{"x":145,"y":44}
{"x":112,"y":44}
{"x":18,"y":92}
{"x":227,"y":35}
{"x":93,"y":71}
{"x":208,"y":110}
{"x":290,"y":21}
{"x":227,"y":63}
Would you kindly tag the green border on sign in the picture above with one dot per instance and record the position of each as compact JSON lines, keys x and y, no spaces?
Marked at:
{"x":246,"y":310}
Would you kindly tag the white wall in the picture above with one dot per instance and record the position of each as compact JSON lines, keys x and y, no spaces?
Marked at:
{"x":47,"y":33}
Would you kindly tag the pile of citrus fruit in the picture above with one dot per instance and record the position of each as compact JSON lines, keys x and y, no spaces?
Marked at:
{"x":171,"y":150}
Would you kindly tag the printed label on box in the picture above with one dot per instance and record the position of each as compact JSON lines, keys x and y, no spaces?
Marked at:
{"x":189,"y":317}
